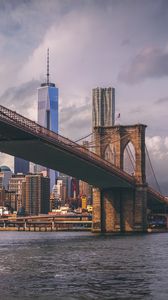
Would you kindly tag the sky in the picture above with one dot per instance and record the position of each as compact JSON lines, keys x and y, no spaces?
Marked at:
{"x":93,"y":43}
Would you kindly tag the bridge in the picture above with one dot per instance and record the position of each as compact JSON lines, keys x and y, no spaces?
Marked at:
{"x":119,"y":199}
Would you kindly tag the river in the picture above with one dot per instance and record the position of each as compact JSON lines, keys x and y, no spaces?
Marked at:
{"x":81,"y":265}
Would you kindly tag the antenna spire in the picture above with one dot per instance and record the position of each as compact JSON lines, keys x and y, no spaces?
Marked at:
{"x":47,"y":81}
{"x":48,"y":66}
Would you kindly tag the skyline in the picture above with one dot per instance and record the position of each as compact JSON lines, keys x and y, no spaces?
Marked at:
{"x":93,"y":44}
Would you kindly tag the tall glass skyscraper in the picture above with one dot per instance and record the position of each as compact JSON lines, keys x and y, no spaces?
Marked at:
{"x":48,"y":111}
{"x":21,"y":165}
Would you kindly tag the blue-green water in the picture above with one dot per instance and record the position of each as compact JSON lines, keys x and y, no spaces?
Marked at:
{"x":63,"y":265}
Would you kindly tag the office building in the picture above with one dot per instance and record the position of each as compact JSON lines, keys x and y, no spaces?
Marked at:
{"x":2,"y":196}
{"x":74,"y":188}
{"x":36,"y":194}
{"x":103,"y":107}
{"x":21,"y":165}
{"x":60,"y":191}
{"x":5,"y":175}
{"x":15,"y":185}
{"x":10,"y":200}
{"x":85,"y":189}
{"x":48,"y":112}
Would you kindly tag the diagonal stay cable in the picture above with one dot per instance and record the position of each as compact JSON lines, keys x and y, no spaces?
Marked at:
{"x":152,"y":169}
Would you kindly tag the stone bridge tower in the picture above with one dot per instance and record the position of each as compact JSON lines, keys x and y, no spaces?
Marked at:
{"x":121,"y":209}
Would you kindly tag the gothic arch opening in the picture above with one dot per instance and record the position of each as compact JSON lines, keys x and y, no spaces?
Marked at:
{"x":110,"y":154}
{"x":129,"y":159}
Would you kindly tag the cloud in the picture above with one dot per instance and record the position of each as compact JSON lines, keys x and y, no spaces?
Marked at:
{"x":22,"y":98}
{"x":155,"y":145}
{"x":23,"y":25}
{"x":166,"y":142}
{"x":75,"y":120}
{"x":125,"y":42}
{"x":158,"y":151}
{"x":163,"y":100}
{"x":148,"y":63}
{"x":138,"y":110}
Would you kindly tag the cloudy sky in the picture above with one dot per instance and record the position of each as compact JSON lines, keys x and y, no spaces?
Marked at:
{"x":119,"y":43}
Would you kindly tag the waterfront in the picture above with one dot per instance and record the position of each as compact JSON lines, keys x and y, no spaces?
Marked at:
{"x":80,"y":265}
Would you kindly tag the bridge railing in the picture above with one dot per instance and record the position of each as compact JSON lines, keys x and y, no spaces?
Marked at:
{"x":157,"y":195}
{"x":38,"y":130}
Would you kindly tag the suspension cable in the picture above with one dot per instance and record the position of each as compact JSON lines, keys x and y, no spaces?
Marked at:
{"x":152,"y":169}
{"x":102,"y":138}
{"x":84,"y":137}
{"x":114,"y":141}
{"x":93,"y":141}
{"x":94,"y":146}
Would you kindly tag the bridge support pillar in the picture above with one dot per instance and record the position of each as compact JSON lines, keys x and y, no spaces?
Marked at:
{"x":106,"y":210}
{"x":140,"y":208}
{"x":111,"y":210}
{"x":96,"y":194}
{"x":120,"y":210}
{"x":127,"y":210}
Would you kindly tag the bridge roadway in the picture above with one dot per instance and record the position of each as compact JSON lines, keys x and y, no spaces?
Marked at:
{"x":24,"y":138}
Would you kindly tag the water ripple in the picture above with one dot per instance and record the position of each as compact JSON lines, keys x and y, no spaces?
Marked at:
{"x":83,"y":266}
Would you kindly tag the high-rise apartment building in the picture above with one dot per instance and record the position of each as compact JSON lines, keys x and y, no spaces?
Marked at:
{"x":15,"y":185}
{"x":10,"y":200}
{"x":103,"y":107}
{"x":48,"y":112}
{"x":36,"y":194}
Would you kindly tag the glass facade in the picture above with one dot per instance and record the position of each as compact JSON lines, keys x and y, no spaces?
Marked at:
{"x":48,"y":107}
{"x":48,"y":116}
{"x":21,"y":165}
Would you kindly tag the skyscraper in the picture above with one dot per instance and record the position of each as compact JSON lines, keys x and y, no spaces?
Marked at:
{"x":48,"y":111}
{"x":15,"y":185}
{"x":103,"y":107}
{"x":21,"y":165}
{"x":36,"y":194}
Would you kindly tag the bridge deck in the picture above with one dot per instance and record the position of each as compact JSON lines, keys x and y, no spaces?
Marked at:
{"x":24,"y":138}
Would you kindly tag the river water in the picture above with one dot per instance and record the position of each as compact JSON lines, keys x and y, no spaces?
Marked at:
{"x":80,"y":265}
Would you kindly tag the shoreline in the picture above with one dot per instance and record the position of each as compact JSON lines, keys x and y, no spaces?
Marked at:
{"x":48,"y":229}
